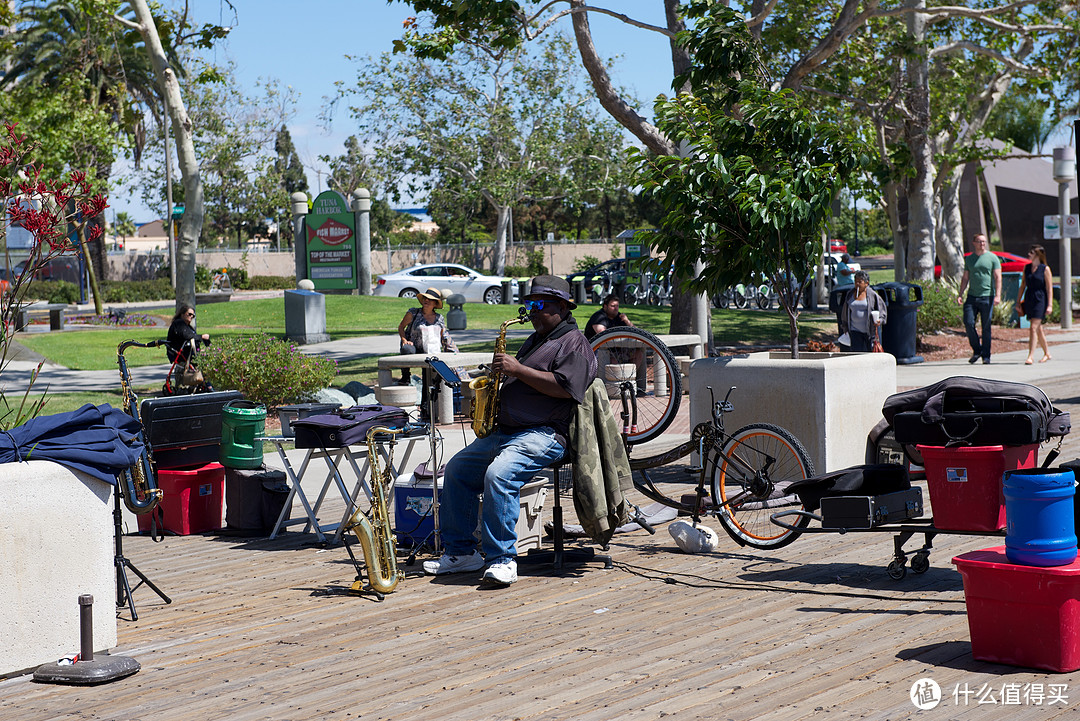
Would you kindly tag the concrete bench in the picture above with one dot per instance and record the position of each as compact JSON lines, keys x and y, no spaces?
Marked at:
{"x":689,"y":341}
{"x":55,"y":310}
{"x":444,"y":411}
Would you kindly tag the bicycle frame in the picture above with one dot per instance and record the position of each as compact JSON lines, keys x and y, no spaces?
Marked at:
{"x":708,"y":439}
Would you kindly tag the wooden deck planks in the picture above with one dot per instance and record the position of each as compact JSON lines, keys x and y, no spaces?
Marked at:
{"x":265,"y":630}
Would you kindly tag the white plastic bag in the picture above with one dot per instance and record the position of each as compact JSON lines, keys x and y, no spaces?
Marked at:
{"x":693,"y":538}
{"x":430,"y":339}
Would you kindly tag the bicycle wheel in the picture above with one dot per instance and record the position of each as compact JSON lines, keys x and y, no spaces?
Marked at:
{"x":654,"y":298}
{"x":764,"y":298}
{"x":740,"y":296}
{"x":642,"y":378}
{"x":630,"y":294}
{"x":748,"y":483}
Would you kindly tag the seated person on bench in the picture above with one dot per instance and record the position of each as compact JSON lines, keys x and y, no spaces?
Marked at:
{"x":539,"y":396}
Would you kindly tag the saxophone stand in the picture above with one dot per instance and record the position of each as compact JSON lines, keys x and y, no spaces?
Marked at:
{"x":440,"y":373}
{"x":124,"y":591}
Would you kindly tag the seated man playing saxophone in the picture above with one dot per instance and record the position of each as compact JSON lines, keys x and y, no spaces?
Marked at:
{"x":544,"y":383}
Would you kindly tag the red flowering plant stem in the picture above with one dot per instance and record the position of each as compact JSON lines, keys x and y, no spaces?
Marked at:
{"x":55,"y":212}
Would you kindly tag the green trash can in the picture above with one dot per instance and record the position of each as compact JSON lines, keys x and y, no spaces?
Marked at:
{"x":241,"y":423}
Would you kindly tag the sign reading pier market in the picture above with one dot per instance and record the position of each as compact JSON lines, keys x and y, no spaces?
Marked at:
{"x":331,"y":243}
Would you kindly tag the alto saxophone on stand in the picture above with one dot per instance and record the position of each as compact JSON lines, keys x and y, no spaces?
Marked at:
{"x":374,"y":533}
{"x":485,"y":406}
{"x":140,"y":492}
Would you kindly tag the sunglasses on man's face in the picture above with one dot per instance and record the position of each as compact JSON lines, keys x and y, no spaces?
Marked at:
{"x":531,"y":305}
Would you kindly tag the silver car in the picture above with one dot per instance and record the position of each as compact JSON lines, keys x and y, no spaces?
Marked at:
{"x":475,"y":287}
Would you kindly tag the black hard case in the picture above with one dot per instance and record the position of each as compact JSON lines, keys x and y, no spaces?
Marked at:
{"x":185,"y":430}
{"x":871,"y":511}
{"x":1012,"y":428}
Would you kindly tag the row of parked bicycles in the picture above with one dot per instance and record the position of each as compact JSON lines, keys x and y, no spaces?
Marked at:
{"x":646,"y":289}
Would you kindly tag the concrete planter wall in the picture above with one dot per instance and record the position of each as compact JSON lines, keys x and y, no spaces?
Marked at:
{"x":830,"y":401}
{"x":58,"y":544}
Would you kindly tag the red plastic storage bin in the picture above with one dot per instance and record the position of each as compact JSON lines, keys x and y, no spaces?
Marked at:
{"x":965,"y":483}
{"x":1022,"y":615}
{"x":193,"y":499}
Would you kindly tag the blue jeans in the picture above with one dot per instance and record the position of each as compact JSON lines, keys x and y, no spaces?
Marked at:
{"x":497,"y":466}
{"x":982,"y":306}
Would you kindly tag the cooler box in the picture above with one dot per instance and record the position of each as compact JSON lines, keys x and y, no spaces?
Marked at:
{"x":192,"y":501}
{"x":1022,"y":615}
{"x":965,"y":483}
{"x":414,"y":522}
{"x":413,"y":519}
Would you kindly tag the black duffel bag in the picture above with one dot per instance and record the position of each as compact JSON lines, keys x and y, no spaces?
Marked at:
{"x":346,"y":427}
{"x":974,"y":412}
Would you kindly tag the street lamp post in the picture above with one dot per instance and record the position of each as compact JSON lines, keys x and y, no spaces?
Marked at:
{"x":1064,"y":172}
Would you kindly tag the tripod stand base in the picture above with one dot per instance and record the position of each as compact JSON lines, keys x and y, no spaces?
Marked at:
{"x":558,"y":559}
{"x":100,"y":669}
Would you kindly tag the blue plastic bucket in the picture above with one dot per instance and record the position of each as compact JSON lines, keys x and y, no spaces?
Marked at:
{"x":1039,"y":523}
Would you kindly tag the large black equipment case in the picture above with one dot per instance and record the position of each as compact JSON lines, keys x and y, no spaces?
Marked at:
{"x":185,"y":430}
{"x":871,"y":511}
{"x":971,"y":428}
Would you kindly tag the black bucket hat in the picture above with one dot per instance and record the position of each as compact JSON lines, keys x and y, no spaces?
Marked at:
{"x":551,"y":286}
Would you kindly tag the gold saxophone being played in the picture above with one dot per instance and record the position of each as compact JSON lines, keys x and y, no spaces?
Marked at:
{"x":140,"y":492}
{"x":374,"y":533}
{"x":485,"y":406}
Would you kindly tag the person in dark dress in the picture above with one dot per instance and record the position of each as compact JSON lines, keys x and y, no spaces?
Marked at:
{"x":1036,"y":297}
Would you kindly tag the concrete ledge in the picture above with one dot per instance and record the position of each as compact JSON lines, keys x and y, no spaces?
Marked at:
{"x":829,"y":401}
{"x":58,"y":535}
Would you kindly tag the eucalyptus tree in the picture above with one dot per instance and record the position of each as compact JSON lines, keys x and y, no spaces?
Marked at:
{"x":505,"y":125}
{"x":882,"y":60}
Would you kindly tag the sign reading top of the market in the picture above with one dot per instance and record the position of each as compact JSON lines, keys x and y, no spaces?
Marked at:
{"x":331,"y":242}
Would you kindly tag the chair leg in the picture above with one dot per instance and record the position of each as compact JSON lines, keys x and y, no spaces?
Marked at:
{"x":559,"y":555}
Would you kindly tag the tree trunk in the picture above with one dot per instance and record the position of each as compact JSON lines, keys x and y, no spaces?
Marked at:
{"x":191,"y":226}
{"x":90,"y":270}
{"x":920,"y":225}
{"x":950,"y":237}
{"x":501,"y":225}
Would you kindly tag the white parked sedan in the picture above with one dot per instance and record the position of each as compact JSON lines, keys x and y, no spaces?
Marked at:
{"x":475,"y":287}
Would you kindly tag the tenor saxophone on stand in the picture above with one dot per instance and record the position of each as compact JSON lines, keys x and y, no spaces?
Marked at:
{"x":141,"y":494}
{"x":375,"y":534}
{"x":485,"y":406}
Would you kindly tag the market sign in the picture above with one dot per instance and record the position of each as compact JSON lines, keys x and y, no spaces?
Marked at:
{"x":331,"y":242}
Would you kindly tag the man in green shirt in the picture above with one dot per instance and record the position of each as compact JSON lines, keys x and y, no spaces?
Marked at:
{"x":982,"y":281}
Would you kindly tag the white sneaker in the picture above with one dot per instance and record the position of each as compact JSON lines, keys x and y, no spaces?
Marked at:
{"x":454,"y":564}
{"x":503,"y":573}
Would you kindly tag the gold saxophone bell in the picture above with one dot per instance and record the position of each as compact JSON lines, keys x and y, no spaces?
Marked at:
{"x":375,"y":534}
{"x":485,"y":406}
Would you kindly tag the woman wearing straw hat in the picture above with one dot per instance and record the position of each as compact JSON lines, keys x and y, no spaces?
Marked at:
{"x":412,"y":335}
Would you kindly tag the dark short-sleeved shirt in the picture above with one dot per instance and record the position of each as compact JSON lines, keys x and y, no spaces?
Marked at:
{"x":566,"y":353}
{"x":601,"y":318}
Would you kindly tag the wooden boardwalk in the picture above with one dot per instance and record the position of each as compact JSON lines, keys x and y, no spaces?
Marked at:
{"x":264,"y":629}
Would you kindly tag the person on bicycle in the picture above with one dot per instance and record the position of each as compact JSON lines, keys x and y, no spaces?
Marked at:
{"x":543,"y":386}
{"x":609,"y":317}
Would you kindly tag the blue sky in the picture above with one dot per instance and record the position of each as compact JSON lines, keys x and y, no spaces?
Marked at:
{"x":303,"y":45}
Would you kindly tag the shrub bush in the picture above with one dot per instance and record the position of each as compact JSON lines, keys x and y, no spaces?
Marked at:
{"x":271,"y":282}
{"x":265,"y":369}
{"x":202,"y":277}
{"x":129,"y":291}
{"x":939,"y":309}
{"x":52,"y":291}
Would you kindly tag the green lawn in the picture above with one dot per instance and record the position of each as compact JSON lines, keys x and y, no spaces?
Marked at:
{"x":351,"y":316}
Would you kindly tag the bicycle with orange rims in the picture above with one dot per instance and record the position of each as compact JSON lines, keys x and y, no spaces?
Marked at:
{"x":744,"y":474}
